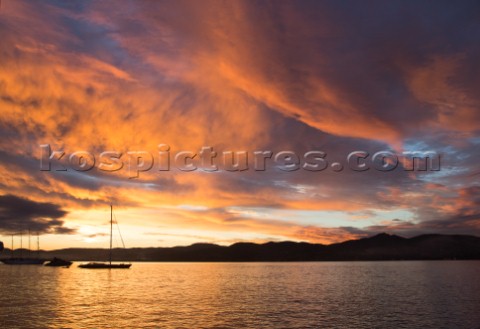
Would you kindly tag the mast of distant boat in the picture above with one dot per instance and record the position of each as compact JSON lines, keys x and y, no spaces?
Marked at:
{"x":111,"y":233}
{"x":21,"y":245}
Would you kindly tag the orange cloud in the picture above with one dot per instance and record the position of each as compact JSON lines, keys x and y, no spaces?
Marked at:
{"x":233,"y":76}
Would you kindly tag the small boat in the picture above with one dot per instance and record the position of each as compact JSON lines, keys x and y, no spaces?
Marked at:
{"x":109,"y":265}
{"x":58,"y":262}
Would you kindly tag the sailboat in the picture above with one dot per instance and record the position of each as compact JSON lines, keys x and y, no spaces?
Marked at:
{"x":98,"y":265}
{"x":24,"y":260}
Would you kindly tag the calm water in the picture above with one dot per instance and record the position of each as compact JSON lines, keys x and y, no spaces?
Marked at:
{"x":443,"y":294}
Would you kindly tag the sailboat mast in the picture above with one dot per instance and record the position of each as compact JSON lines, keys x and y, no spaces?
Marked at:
{"x":111,"y":232}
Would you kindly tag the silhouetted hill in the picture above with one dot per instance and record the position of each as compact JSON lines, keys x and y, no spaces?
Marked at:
{"x":379,"y":247}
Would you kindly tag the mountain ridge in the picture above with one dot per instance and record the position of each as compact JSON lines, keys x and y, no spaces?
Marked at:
{"x":382,"y":246}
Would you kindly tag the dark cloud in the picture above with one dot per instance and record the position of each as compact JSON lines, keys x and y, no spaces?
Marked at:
{"x":19,"y":215}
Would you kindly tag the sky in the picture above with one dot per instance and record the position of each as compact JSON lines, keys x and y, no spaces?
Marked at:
{"x":154,"y":82}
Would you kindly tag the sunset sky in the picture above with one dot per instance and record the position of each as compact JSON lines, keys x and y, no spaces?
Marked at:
{"x":330,"y":76}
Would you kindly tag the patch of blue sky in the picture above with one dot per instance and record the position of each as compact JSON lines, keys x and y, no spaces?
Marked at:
{"x":320,"y":217}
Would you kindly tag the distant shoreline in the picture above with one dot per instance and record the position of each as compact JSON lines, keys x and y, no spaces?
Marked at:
{"x":381,"y":247}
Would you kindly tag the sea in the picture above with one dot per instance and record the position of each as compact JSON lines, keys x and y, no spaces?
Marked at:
{"x":396,"y":294}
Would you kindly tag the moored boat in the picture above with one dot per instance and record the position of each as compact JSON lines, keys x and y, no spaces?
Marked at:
{"x":23,"y":261}
{"x":58,"y":262}
{"x":109,"y":265}
{"x":95,"y":265}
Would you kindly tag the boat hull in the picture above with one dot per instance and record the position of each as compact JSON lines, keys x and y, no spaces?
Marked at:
{"x":57,"y":262}
{"x":104,"y":266}
{"x":23,"y":261}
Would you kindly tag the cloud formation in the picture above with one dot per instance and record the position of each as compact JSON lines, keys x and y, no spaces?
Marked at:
{"x":18,"y":215}
{"x":243,"y":75}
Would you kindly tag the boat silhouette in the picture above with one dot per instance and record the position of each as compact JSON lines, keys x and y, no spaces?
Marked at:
{"x":95,"y":265}
{"x":58,"y":262}
{"x":109,"y":265}
{"x":24,"y":260}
